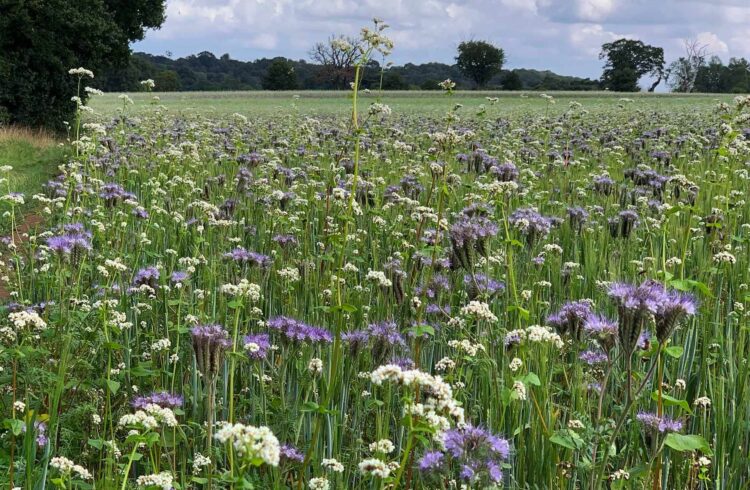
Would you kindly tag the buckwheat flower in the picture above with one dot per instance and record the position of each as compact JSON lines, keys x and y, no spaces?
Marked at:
{"x":19,"y":406}
{"x":519,"y":390}
{"x":515,"y":364}
{"x":379,"y":278}
{"x":702,"y":402}
{"x":243,"y":289}
{"x":315,"y":366}
{"x":384,"y":446}
{"x":319,"y":483}
{"x":724,"y":258}
{"x":619,"y":475}
{"x":575,"y":424}
{"x":332,"y":465}
{"x":68,"y":467}
{"x":374,"y":467}
{"x":445,"y":364}
{"x":256,"y":445}
{"x":162,"y":480}
{"x":199,"y":462}
{"x":479,"y":310}
{"x":148,"y":84}
{"x":27,"y":318}
{"x":150,"y":417}
{"x":257,"y":345}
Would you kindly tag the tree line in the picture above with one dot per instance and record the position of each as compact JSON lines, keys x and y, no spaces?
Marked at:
{"x":205,"y":71}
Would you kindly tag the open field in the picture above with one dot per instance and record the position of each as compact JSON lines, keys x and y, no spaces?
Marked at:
{"x":249,"y":290}
{"x":423,"y":102}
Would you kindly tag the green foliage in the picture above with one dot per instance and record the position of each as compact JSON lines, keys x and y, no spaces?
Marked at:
{"x":479,"y":60}
{"x":511,"y":81}
{"x":627,"y":61}
{"x":280,"y":76}
{"x":715,"y":77}
{"x":41,"y":39}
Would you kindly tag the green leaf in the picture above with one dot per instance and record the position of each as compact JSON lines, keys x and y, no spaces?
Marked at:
{"x":687,"y":442}
{"x":671,"y":401}
{"x":531,"y":379}
{"x":16,"y":426}
{"x":114,"y":386}
{"x":674,"y":351}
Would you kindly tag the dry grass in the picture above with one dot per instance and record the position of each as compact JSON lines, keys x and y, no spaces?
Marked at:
{"x":39,"y":138}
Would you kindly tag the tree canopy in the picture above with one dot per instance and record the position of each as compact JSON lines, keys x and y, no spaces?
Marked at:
{"x":628,"y":60}
{"x":40,"y":40}
{"x":479,"y":61}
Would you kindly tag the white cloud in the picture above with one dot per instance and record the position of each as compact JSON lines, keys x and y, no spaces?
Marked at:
{"x":595,"y":10}
{"x":712,"y":43}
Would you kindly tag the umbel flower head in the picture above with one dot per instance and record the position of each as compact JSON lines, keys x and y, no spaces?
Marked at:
{"x":209,"y":344}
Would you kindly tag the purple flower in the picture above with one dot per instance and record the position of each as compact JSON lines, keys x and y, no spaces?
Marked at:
{"x":178,"y":277}
{"x":655,"y":423}
{"x":431,"y":460}
{"x":209,"y":344}
{"x":635,"y":305}
{"x":672,"y":309}
{"x":480,"y":284}
{"x":243,"y":256}
{"x":162,"y":398}
{"x":290,"y":454}
{"x":298,"y":331}
{"x":477,"y":452}
{"x":531,"y":224}
{"x":592,"y":358}
{"x":148,"y":276}
{"x":257,"y":345}
{"x":571,"y":317}
{"x":285,"y":241}
{"x":601,"y":329}
{"x":357,"y":339}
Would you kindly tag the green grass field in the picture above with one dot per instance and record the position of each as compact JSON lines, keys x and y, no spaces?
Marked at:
{"x":428,"y":103}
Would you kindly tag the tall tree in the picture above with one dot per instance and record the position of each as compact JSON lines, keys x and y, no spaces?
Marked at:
{"x":479,"y":61}
{"x":40,"y":40}
{"x":337,"y":57}
{"x":627,"y":61}
{"x":684,"y":71}
{"x":280,"y":75}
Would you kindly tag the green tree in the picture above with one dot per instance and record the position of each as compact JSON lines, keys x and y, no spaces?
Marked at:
{"x":40,"y":40}
{"x":511,"y":81}
{"x":167,"y":81}
{"x":627,"y":61}
{"x":280,"y":75}
{"x":479,"y":61}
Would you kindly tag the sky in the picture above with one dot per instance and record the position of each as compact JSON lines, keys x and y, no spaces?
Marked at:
{"x":564,"y":36}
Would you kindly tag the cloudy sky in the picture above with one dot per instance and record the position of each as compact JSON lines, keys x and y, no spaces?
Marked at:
{"x":561,"y":35}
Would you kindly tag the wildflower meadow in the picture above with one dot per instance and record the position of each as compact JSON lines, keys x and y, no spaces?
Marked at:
{"x":379,"y":300}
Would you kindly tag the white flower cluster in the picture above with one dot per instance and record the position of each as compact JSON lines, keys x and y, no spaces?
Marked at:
{"x":379,"y":278}
{"x":291,"y":274}
{"x":319,"y":484}
{"x":374,"y":467}
{"x":244,"y":289}
{"x":725,"y":258}
{"x":479,"y":310}
{"x":332,"y":465}
{"x":384,"y":446}
{"x":161,"y":345}
{"x":536,"y":333}
{"x":151,"y":417}
{"x":466,"y":346}
{"x":162,"y":480}
{"x":66,"y":466}
{"x":199,"y":462}
{"x":26,"y":318}
{"x":251,"y":442}
{"x":438,"y":398}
